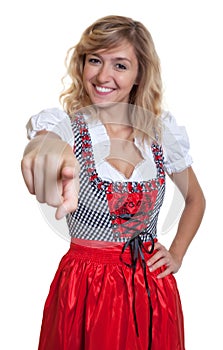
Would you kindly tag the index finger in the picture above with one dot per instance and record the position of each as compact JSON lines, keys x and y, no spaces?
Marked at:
{"x":70,"y":190}
{"x":27,"y":174}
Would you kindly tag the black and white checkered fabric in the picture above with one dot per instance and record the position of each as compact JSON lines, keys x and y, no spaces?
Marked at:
{"x":93,"y":220}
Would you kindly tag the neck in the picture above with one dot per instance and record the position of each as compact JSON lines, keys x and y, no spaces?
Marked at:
{"x":115,"y":113}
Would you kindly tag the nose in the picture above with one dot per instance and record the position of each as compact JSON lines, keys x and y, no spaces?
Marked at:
{"x":104,"y":73}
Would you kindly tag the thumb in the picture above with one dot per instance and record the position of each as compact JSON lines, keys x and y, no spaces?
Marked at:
{"x":70,"y":169}
{"x":68,"y":173}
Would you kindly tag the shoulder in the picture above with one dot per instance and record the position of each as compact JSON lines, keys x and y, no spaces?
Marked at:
{"x":170,"y":124}
{"x":51,"y":119}
{"x":176,"y":145}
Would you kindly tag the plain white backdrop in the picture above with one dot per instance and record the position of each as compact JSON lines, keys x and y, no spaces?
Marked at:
{"x":35,"y":36}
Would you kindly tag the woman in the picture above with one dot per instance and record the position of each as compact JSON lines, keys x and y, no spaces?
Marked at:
{"x":114,"y":289}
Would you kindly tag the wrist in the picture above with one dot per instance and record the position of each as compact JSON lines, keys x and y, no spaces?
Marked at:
{"x":177,"y":255}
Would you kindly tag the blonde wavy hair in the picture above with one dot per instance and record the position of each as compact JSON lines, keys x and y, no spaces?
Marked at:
{"x":109,"y":32}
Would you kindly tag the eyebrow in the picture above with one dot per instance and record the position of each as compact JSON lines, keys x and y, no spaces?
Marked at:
{"x":114,"y":59}
{"x":123,"y":59}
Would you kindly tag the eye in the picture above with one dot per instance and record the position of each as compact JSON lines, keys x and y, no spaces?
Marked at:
{"x":120,"y":66}
{"x":94,"y":60}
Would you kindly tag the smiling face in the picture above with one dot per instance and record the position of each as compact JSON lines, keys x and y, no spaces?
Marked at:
{"x":109,"y":75}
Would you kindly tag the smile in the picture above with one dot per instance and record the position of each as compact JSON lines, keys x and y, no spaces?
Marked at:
{"x":103,"y":89}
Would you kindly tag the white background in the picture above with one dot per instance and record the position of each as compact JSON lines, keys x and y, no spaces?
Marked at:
{"x":35,"y":36}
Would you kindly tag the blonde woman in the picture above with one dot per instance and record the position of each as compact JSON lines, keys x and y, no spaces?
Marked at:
{"x":102,"y":162}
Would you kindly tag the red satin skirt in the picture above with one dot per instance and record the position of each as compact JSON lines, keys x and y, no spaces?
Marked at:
{"x":92,"y":305}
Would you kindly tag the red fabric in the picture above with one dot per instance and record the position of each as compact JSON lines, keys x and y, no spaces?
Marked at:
{"x":140,"y":205}
{"x":89,"y":306}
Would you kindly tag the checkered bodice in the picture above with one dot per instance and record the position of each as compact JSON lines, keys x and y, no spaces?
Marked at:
{"x":111,"y":210}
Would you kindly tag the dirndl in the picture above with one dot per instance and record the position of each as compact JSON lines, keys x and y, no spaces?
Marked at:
{"x":90,"y":304}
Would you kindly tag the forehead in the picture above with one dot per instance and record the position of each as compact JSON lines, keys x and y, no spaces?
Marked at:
{"x":123,"y":50}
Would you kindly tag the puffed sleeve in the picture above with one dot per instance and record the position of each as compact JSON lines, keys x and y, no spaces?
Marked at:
{"x":176,"y":145}
{"x":52,"y":119}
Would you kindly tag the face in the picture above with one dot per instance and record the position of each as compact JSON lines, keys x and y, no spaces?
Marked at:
{"x":109,"y":75}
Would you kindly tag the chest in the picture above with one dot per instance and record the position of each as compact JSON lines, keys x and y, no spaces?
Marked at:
{"x":124,"y":157}
{"x":112,"y":209}
{"x":120,"y":160}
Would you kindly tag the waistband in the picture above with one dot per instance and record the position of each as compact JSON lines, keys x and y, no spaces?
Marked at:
{"x":103,"y":251}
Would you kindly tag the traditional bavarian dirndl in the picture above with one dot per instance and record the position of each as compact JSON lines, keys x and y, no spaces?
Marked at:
{"x":103,"y":295}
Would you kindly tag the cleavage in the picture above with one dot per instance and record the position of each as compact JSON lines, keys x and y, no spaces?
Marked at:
{"x":124,"y":156}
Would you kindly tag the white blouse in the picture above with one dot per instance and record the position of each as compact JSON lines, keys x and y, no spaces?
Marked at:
{"x":175,"y":144}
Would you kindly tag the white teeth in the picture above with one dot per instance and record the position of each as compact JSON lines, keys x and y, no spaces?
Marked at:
{"x":103,"y":89}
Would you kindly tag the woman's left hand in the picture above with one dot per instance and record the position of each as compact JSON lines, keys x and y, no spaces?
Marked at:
{"x":163,"y":257}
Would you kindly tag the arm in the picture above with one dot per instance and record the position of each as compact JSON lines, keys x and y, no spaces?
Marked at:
{"x":50,"y":171}
{"x":188,"y":225}
{"x":193,"y":212}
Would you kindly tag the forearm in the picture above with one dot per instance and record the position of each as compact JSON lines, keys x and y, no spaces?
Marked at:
{"x":188,"y":225}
